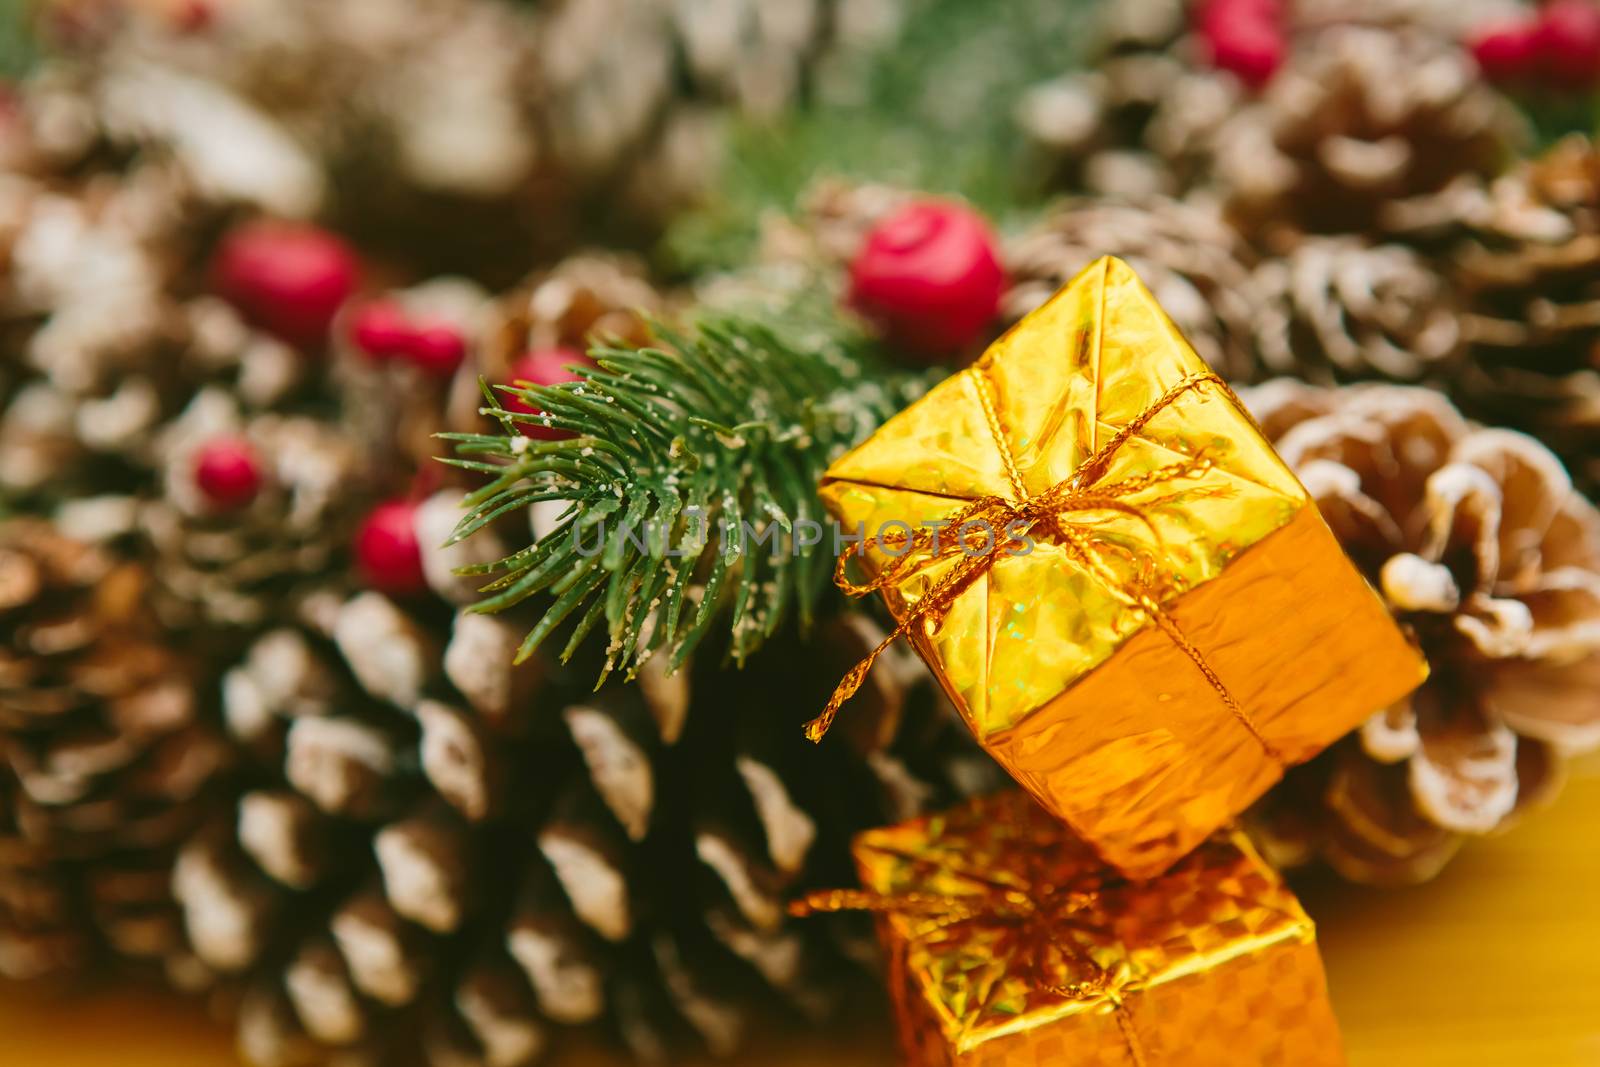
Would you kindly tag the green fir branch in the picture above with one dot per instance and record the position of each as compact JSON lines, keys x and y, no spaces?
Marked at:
{"x":692,"y":467}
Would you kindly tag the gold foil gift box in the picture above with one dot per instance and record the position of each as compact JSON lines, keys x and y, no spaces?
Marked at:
{"x":1131,"y":600}
{"x":1011,"y":945}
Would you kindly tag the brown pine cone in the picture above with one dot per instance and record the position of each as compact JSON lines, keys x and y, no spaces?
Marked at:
{"x":438,"y":851}
{"x":1192,"y":260}
{"x":1524,"y":253}
{"x":1341,"y":308}
{"x":106,"y":758}
{"x":1491,"y":560}
{"x":1123,"y":125}
{"x":1358,"y":119}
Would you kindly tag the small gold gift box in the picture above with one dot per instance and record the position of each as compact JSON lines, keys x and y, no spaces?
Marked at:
{"x":1131,"y":600}
{"x":1011,"y":945}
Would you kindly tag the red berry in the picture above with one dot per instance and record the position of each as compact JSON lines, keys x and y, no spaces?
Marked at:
{"x":1245,"y":43}
{"x":1506,"y":52}
{"x":545,"y":366}
{"x":227,"y":472}
{"x":380,"y":329}
{"x":288,"y":278}
{"x":1568,"y":44}
{"x":386,"y":548}
{"x":437,"y":349}
{"x":929,"y":277}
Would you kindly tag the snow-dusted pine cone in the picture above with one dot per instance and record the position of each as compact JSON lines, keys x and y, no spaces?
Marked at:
{"x":236,"y":565}
{"x":1125,"y":125}
{"x":106,"y":339}
{"x":1358,"y":119}
{"x":632,"y":88}
{"x":439,"y":851}
{"x":1193,"y":261}
{"x":476,"y":126}
{"x":1491,"y":560}
{"x":586,"y":297}
{"x":1524,"y":253}
{"x":832,"y":218}
{"x":1148,"y":112}
{"x":87,"y":367}
{"x":106,"y":758}
{"x":1342,"y":308}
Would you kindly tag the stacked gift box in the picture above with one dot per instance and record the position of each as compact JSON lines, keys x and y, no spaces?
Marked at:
{"x":1140,"y":613}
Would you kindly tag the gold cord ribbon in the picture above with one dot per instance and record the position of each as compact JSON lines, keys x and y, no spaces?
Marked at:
{"x":1049,"y":512}
{"x":1040,"y":918}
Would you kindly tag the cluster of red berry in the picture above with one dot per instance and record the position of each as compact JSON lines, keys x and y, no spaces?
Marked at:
{"x":1556,"y":47}
{"x":293,"y":280}
{"x":384,"y":330}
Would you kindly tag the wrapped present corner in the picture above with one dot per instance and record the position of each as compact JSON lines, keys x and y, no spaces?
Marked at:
{"x":1011,"y":944}
{"x":1130,"y":598}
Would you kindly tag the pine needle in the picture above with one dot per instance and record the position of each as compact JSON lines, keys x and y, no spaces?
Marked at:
{"x":691,"y":463}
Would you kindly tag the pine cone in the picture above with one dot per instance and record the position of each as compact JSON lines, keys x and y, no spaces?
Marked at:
{"x":1448,"y":20}
{"x":636,"y":87}
{"x":106,"y":759}
{"x":831,"y":220}
{"x":86,"y":370}
{"x":237,"y":566}
{"x":457,"y":133}
{"x":1341,"y":308}
{"x":1359,"y":118}
{"x":1190,"y":258}
{"x":440,"y":851}
{"x":1524,"y":252}
{"x":103,"y":346}
{"x":586,"y":297}
{"x":1135,"y":122}
{"x":1488,"y":557}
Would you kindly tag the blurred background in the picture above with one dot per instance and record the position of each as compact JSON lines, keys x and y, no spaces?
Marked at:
{"x":271,"y":795}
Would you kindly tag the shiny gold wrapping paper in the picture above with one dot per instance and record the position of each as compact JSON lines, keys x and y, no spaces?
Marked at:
{"x":1147,"y":688}
{"x":1016,"y":947}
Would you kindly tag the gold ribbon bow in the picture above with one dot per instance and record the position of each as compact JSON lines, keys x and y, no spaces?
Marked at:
{"x":1037,"y":917}
{"x":1049,"y":512}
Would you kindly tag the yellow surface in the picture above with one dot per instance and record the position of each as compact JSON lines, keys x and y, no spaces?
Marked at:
{"x":1495,"y":964}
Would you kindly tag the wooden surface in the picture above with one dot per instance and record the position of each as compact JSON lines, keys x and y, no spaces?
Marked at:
{"x":1495,"y":964}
